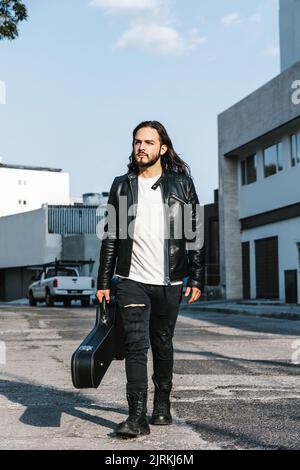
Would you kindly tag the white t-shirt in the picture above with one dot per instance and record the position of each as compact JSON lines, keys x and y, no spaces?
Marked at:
{"x":148,"y":261}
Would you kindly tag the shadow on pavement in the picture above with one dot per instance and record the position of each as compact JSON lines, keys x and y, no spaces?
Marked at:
{"x":221,"y":363}
{"x":45,"y":405}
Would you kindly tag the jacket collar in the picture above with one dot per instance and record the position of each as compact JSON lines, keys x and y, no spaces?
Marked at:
{"x":132,"y":176}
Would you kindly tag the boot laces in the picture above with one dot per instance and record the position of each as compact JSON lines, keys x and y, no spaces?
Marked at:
{"x":137,"y":405}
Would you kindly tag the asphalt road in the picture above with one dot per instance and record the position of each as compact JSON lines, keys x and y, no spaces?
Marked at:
{"x":236,"y":384}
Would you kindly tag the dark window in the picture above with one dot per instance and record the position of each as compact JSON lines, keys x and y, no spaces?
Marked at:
{"x":213,"y":277}
{"x":246,"y":269}
{"x":273,"y":159}
{"x":248,"y":168}
{"x":38,"y":278}
{"x":280,"y":156}
{"x":2,"y":284}
{"x":251,"y":169}
{"x":243,"y":168}
{"x":291,"y":286}
{"x":295,"y":148}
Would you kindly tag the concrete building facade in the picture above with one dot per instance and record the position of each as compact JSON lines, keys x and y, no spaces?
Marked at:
{"x":289,"y":16}
{"x":259,"y":193}
{"x":39,"y":236}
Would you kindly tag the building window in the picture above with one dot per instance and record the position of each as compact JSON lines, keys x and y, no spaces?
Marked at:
{"x":273,"y":159}
{"x":295,"y":148}
{"x":280,"y":156}
{"x":248,"y":169}
{"x":20,"y":202}
{"x":24,"y":202}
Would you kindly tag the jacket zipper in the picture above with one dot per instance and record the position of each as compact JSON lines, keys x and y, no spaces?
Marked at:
{"x":166,"y":239}
{"x":177,"y":198}
{"x":133,"y":201}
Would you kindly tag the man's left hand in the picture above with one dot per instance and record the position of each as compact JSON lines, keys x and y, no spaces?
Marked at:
{"x":196,"y":294}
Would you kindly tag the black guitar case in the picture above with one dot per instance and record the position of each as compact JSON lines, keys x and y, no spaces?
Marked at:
{"x":103,"y":344}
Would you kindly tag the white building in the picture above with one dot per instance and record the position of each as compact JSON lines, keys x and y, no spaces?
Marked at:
{"x":32,"y":238}
{"x":259,"y":177}
{"x":259,"y":174}
{"x":25,"y":188}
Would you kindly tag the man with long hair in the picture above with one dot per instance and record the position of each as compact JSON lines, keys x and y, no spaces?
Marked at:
{"x":150,"y":264}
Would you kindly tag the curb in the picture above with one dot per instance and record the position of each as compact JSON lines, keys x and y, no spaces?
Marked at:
{"x":234,"y":311}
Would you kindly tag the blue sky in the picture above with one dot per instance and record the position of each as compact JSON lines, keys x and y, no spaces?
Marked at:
{"x":83,"y":74}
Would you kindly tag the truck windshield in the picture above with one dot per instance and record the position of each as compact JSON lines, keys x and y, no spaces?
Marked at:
{"x":61,"y":272}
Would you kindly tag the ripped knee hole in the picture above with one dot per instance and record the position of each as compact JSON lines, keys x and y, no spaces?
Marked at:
{"x":134,"y":305}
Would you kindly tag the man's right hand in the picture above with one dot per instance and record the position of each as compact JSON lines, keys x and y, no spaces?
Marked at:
{"x":103,"y":293}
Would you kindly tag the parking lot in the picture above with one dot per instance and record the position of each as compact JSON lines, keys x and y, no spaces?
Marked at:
{"x":235,"y":386}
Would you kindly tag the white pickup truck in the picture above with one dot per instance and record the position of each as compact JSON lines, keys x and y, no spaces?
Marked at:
{"x":63,"y":284}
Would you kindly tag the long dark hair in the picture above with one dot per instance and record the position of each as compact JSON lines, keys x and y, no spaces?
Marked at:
{"x":170,"y":160}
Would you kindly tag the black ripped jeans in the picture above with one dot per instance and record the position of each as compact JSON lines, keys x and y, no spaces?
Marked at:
{"x":149,"y":314}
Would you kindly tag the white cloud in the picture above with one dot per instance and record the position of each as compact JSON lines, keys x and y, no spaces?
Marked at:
{"x":151,"y":28}
{"x":231,"y":18}
{"x":236,"y":18}
{"x":161,"y":39}
{"x":271,"y":51}
{"x":126,"y":6}
{"x":194,"y":39}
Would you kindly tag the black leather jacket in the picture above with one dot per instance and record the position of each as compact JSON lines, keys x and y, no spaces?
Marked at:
{"x":116,"y":249}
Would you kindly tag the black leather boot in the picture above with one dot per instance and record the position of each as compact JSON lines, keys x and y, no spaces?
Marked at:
{"x":137,"y":423}
{"x":161,"y":403}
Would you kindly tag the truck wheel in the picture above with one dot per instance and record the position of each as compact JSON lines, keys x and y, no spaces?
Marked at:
{"x":67,"y":303}
{"x":85,"y":302}
{"x":32,"y":300}
{"x":49,"y":299}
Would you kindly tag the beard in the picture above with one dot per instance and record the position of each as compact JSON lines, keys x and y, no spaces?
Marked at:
{"x":148,"y":162}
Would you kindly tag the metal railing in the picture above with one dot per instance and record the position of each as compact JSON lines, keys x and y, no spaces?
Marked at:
{"x":72,"y":219}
